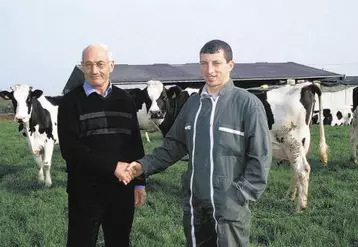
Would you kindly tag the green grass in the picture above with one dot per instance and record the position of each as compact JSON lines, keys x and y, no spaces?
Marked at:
{"x":31,"y":215}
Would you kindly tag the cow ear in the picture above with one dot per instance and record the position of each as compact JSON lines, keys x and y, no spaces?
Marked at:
{"x":173,"y":91}
{"x":5,"y":95}
{"x":13,"y":88}
{"x":36,"y":94}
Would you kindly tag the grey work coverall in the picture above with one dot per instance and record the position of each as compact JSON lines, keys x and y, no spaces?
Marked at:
{"x":229,"y":150}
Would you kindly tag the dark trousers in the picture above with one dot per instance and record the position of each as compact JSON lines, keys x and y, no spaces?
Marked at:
{"x":230,"y":233}
{"x":91,"y":205}
{"x":204,"y":229}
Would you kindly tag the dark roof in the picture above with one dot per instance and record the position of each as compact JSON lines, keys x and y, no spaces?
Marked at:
{"x":348,"y":80}
{"x":190,"y":72}
{"x":280,"y":71}
{"x":143,"y":73}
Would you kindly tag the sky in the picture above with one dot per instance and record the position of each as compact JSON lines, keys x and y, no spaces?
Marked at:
{"x":42,"y":40}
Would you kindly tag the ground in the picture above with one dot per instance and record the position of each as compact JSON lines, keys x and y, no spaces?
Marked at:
{"x":6,"y":117}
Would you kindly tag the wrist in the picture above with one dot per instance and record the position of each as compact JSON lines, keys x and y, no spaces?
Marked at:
{"x":139,"y":168}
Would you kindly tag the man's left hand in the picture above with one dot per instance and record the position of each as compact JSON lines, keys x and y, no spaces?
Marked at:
{"x":139,"y":196}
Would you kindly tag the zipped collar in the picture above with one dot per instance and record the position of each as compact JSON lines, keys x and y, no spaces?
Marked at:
{"x":225,"y":90}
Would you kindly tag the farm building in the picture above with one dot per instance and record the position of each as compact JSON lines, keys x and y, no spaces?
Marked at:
{"x":244,"y":75}
{"x":338,"y":92}
{"x":336,"y":87}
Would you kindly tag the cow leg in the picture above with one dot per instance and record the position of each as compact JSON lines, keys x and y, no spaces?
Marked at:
{"x":303,"y":183}
{"x":297,"y":176}
{"x":306,"y":143}
{"x":30,"y":141}
{"x":300,"y":181}
{"x":47,"y":158}
{"x":40,"y":172}
{"x":147,"y":136}
{"x":300,"y":170}
{"x":354,"y":142}
{"x":292,"y":190}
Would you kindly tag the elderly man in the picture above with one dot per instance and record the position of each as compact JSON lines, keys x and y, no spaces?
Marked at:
{"x":98,"y":129}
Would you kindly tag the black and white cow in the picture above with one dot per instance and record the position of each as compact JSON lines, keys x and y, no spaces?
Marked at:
{"x":289,"y":111}
{"x":158,"y":106}
{"x":342,"y":116}
{"x":335,"y":117}
{"x":327,"y":117}
{"x":37,"y":118}
{"x":354,"y":128}
{"x":143,"y":103}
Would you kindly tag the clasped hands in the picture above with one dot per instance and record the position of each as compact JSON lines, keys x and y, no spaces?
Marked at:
{"x":126,"y":172}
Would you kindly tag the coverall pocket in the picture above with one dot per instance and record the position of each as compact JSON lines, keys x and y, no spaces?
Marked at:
{"x":231,"y":208}
{"x":231,"y":140}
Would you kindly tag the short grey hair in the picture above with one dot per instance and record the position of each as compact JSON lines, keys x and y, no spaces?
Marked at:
{"x":103,"y":46}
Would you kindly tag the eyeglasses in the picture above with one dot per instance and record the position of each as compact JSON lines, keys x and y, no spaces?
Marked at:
{"x":99,"y":64}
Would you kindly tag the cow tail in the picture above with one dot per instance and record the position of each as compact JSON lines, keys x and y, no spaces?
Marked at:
{"x":323,"y":147}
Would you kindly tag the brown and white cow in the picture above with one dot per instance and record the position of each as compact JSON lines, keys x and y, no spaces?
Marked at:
{"x":37,"y":118}
{"x":289,"y":111}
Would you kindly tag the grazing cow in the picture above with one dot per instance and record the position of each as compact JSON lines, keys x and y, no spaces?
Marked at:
{"x":354,"y":128}
{"x":343,"y":116}
{"x":289,"y":111}
{"x":37,"y":118}
{"x":327,"y":117}
{"x":159,"y":106}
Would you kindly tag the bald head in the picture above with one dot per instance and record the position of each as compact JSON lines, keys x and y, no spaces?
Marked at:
{"x":98,"y":48}
{"x":97,"y":65}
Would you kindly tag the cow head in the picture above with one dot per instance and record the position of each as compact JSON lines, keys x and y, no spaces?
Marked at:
{"x":160,"y":97}
{"x":21,"y":97}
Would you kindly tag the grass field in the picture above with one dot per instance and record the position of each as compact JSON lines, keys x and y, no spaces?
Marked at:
{"x":34,"y":216}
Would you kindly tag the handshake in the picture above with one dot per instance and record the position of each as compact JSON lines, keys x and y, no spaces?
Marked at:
{"x":126,"y":172}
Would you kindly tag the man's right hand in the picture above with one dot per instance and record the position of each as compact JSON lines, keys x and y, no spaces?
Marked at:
{"x":135,"y":169}
{"x":126,"y":172}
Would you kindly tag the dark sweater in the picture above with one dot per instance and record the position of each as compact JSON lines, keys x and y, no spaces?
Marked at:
{"x":96,"y":132}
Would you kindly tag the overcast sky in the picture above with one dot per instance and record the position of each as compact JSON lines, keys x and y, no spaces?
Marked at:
{"x":42,"y":40}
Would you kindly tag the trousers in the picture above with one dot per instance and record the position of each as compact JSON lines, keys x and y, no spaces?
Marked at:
{"x":92,"y":204}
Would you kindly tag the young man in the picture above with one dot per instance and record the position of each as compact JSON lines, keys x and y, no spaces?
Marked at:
{"x":224,"y":129}
{"x":98,"y":129}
